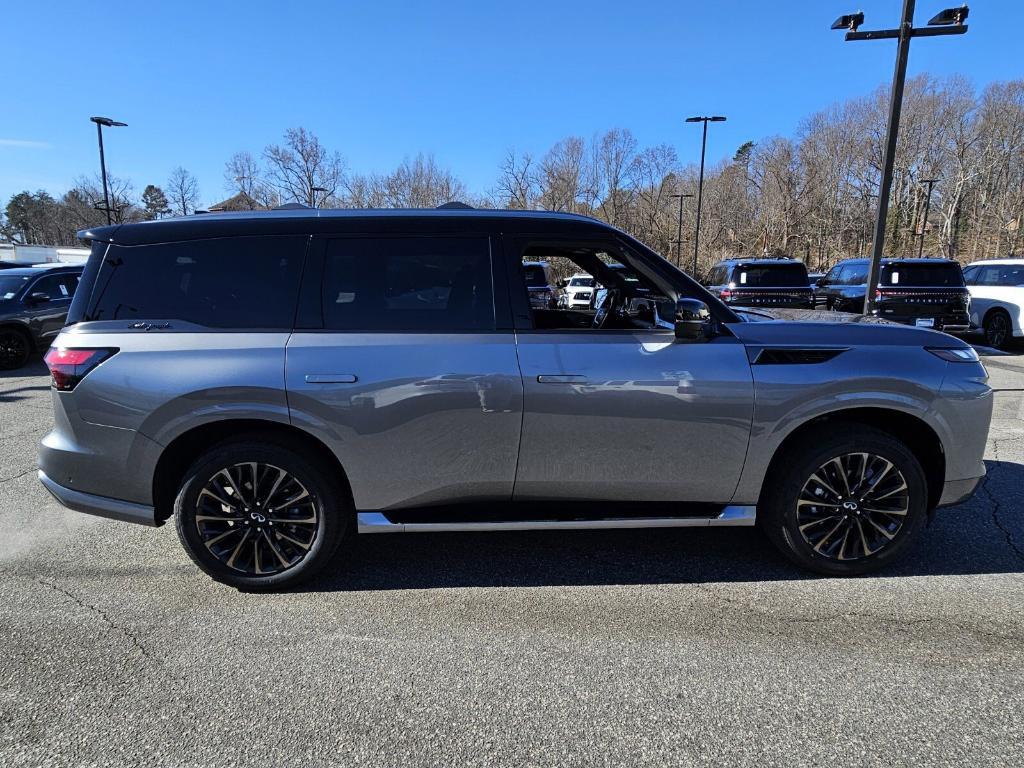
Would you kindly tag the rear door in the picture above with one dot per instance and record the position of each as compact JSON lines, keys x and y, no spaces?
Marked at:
{"x":404,"y":363}
{"x":46,"y":318}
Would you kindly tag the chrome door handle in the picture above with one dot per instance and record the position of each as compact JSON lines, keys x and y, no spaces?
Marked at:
{"x":331,"y":378}
{"x":547,"y":378}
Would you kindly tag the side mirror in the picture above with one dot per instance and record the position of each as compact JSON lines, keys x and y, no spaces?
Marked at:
{"x":693,"y":319}
{"x":37,"y":298}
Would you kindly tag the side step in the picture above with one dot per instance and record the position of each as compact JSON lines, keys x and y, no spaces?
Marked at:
{"x":377,"y":522}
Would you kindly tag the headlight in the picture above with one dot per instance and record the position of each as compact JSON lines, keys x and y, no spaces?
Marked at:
{"x":956,"y":354}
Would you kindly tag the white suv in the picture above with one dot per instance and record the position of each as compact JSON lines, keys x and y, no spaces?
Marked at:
{"x":997,"y":295}
{"x":578,"y":293}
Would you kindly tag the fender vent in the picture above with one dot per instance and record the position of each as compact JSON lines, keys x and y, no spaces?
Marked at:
{"x":790,"y":356}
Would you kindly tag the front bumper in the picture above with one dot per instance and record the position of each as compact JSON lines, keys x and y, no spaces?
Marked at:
{"x":90,"y":504}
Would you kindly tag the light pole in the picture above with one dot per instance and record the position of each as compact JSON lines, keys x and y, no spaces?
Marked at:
{"x":313,"y":191}
{"x":927,"y":206}
{"x":679,"y":230}
{"x":100,"y":122}
{"x":947,"y":22}
{"x":700,"y":184}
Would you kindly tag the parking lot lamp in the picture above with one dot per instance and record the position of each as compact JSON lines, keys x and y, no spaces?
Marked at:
{"x":700,"y":183}
{"x":100,"y":123}
{"x":947,"y":22}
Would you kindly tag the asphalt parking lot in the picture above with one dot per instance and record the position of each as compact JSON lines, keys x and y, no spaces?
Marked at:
{"x":595,"y":648}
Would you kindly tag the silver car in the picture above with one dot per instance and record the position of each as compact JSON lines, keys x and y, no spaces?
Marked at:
{"x":276,"y":382}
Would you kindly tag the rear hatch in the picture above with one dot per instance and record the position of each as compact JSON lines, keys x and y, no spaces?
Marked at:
{"x":782,"y":284}
{"x":929,"y":293}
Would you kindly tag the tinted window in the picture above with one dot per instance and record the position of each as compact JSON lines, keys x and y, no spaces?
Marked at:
{"x":971,"y":274}
{"x":56,"y":287}
{"x":535,"y":276}
{"x":11,"y":286}
{"x":582,"y":282}
{"x":855,"y":274}
{"x":771,"y":276}
{"x":833,"y":275}
{"x":408,"y":284}
{"x":242,"y":282}
{"x":908,"y":273}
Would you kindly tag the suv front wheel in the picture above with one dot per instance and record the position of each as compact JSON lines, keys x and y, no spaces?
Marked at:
{"x":259,"y":514}
{"x":847,"y":504}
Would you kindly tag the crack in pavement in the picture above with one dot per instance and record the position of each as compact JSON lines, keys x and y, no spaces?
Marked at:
{"x":15,"y":477}
{"x":98,"y":612}
{"x":997,"y":506}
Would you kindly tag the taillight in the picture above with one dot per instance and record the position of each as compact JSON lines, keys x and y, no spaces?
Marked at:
{"x":70,"y":366}
{"x":725,"y":294}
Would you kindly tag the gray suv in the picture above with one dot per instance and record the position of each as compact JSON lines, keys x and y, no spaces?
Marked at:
{"x":275,"y":382}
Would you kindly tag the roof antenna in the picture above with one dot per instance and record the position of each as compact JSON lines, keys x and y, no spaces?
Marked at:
{"x":455,"y":205}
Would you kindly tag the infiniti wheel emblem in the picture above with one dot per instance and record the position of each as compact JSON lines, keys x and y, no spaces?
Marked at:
{"x":257,"y":517}
{"x":850,"y":505}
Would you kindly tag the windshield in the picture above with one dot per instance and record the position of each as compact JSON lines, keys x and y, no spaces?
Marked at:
{"x":772,"y":276}
{"x":11,"y":285}
{"x":582,"y":282}
{"x":904,"y":273}
{"x":535,"y":277}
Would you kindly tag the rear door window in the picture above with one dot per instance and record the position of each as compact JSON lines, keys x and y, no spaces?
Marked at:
{"x":236,"y":282}
{"x":855,"y":274}
{"x":908,"y":273}
{"x":408,"y":284}
{"x":772,"y":276}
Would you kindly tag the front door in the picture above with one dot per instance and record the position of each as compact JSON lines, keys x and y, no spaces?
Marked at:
{"x":623,"y":410}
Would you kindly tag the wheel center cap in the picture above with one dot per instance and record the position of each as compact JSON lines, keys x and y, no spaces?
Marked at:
{"x":851,"y":506}
{"x":258,"y":517}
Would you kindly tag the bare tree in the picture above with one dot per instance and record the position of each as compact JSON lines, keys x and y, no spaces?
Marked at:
{"x":243,"y":177}
{"x":182,"y":192}
{"x":303,"y":170}
{"x":518,"y":185}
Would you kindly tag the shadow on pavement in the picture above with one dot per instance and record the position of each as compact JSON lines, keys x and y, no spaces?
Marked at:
{"x":34,"y":367}
{"x":983,"y":535}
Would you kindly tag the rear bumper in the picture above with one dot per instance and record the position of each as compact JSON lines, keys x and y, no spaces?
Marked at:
{"x":956,"y":491}
{"x":90,"y":504}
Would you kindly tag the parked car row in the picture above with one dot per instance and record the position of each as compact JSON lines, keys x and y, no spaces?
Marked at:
{"x":925,"y":292}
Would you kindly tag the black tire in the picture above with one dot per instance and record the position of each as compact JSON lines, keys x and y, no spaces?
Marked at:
{"x":307,"y":547}
{"x":15,"y":349}
{"x":784,"y":506}
{"x":998,"y":329}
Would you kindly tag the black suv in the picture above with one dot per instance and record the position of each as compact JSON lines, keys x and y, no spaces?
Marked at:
{"x":929,"y":293}
{"x":34,"y":304}
{"x":761,"y":283}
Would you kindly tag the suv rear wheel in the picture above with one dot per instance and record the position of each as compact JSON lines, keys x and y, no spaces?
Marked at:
{"x":259,"y":517}
{"x":846,"y":505}
{"x":997,"y":329}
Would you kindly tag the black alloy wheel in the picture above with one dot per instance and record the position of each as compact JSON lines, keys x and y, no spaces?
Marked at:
{"x":852,"y":506}
{"x":14,"y":349}
{"x":261,"y":512}
{"x":997,"y":328}
{"x":847,"y":500}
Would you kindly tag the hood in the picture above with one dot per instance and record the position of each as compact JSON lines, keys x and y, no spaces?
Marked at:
{"x":831,"y":329}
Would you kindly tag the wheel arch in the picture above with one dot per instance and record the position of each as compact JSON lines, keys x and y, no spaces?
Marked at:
{"x":914,"y":432}
{"x":182,"y":451}
{"x":23,"y":329}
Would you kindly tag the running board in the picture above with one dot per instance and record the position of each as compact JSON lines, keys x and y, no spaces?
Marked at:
{"x":377,"y":522}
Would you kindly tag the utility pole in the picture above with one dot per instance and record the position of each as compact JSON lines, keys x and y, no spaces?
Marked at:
{"x":947,"y":22}
{"x":679,"y":231}
{"x":927,"y":206}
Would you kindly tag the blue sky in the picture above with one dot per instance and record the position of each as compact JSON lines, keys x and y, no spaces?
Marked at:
{"x":466,"y":81}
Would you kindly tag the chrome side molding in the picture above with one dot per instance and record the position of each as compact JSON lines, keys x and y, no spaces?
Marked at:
{"x":735,"y":516}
